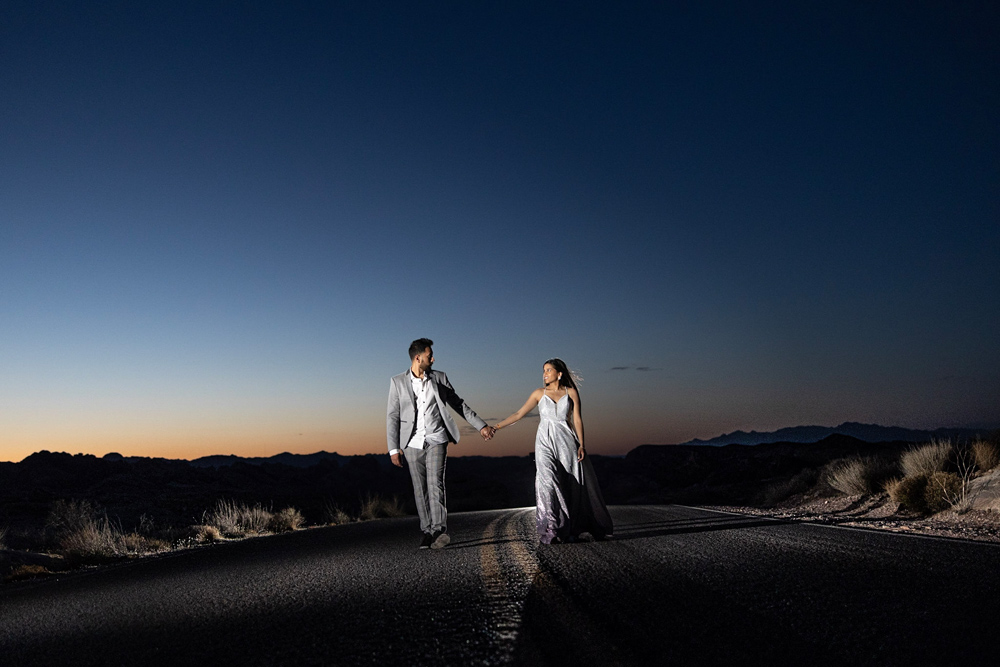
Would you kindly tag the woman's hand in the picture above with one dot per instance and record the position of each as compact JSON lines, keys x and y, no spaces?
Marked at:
{"x":580,"y":453}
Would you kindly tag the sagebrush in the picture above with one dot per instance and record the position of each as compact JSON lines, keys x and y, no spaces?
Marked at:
{"x":909,"y":492}
{"x":26,"y":572}
{"x":986,"y":454}
{"x":235,"y":519}
{"x":944,"y":490}
{"x":334,"y":514}
{"x":80,"y":530}
{"x":286,"y":520}
{"x":860,"y":476}
{"x":380,"y":507}
{"x":926,"y":459}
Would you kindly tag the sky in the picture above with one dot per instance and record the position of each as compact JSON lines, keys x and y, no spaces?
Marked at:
{"x":221,"y":224}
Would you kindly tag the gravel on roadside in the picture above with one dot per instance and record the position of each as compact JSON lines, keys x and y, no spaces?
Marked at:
{"x":880,"y":513}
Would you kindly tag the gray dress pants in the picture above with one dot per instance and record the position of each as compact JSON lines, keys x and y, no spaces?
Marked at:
{"x":427,"y":467}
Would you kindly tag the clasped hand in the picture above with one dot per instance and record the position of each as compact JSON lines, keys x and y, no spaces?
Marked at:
{"x":487,"y":432}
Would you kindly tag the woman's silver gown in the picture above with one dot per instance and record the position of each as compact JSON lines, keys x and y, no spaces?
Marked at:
{"x":568,"y":500}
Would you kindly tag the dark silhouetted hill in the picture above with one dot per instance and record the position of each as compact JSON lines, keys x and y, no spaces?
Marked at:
{"x":285,"y":458}
{"x":865,"y":432}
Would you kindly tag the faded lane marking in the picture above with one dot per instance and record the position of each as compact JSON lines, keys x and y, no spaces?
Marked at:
{"x":511,"y":571}
{"x":507,"y":575}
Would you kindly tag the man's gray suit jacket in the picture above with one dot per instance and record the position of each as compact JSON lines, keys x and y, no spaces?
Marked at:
{"x":401,"y":413}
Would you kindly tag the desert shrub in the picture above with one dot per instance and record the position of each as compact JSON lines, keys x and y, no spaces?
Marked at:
{"x":89,"y":540}
{"x":26,"y":572}
{"x":147,"y":525}
{"x":69,"y":516}
{"x":909,"y":492}
{"x":943,"y":490}
{"x":929,"y":458}
{"x":334,"y":514}
{"x":206,"y":533}
{"x":256,"y":519}
{"x":379,"y":507}
{"x":986,"y":454}
{"x":859,"y":476}
{"x":286,"y":520}
{"x":225,"y":517}
{"x":79,"y":530}
{"x":237,"y":520}
{"x":101,"y":538}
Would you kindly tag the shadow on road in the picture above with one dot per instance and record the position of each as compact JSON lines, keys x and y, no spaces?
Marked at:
{"x":643,"y":530}
{"x":469,"y":544}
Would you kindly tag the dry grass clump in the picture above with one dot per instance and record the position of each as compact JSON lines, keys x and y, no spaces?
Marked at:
{"x":334,"y":514}
{"x":93,"y":539}
{"x":374,"y":506}
{"x":3,"y":537}
{"x":986,"y":454}
{"x":69,"y":516}
{"x":202,"y":534}
{"x":286,"y":520}
{"x":237,"y":520}
{"x":255,"y":520}
{"x":22,"y":572}
{"x":859,"y":476}
{"x":81,"y":531}
{"x":929,"y":458}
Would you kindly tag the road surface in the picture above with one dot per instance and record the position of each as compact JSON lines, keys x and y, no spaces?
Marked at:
{"x":677,"y":585}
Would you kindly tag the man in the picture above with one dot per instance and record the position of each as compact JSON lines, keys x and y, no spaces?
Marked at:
{"x":420,"y":429}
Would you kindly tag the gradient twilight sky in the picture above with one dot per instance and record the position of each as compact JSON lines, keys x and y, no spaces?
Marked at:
{"x":221,"y":224}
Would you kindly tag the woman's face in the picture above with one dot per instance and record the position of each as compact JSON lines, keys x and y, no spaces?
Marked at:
{"x":549,"y":374}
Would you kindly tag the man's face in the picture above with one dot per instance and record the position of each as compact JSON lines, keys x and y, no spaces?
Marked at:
{"x":425,"y":360}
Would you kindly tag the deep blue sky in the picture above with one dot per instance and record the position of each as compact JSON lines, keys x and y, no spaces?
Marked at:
{"x":221,"y":225}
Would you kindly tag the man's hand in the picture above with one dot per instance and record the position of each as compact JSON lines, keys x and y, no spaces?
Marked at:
{"x":487,"y":432}
{"x":397,"y":459}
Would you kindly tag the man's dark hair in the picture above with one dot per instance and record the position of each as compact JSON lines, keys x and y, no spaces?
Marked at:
{"x":419,"y":345}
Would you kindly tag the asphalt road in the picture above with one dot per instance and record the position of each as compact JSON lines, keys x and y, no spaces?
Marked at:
{"x":677,"y":585}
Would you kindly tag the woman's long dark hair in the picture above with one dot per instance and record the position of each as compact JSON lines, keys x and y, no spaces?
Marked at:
{"x":567,"y":379}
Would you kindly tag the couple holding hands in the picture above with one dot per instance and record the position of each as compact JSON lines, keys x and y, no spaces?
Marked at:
{"x":568,"y":501}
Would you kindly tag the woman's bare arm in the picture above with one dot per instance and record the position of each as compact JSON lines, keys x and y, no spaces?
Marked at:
{"x":574,"y":396}
{"x":528,"y":406}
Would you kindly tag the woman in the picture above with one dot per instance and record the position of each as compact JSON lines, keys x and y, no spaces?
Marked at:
{"x":568,"y":501}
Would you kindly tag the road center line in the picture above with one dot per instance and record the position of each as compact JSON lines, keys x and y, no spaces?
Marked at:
{"x":510,"y":571}
{"x":507,"y":575}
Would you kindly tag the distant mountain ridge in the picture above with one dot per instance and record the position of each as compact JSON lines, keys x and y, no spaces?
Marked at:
{"x":285,"y":458}
{"x":865,"y":432}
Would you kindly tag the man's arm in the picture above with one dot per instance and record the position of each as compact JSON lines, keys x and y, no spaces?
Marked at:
{"x":459,"y":405}
{"x":392,"y":424}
